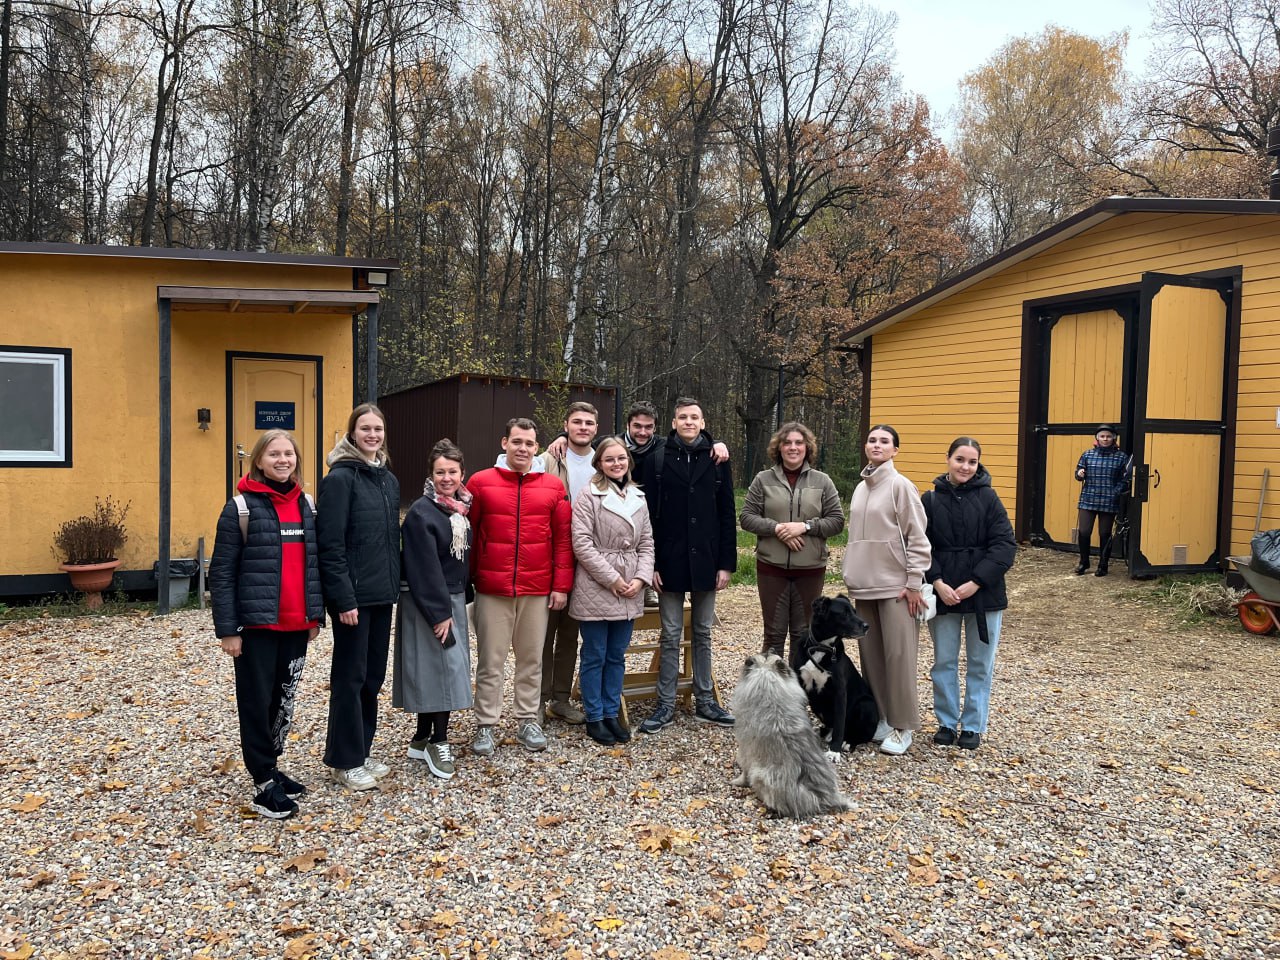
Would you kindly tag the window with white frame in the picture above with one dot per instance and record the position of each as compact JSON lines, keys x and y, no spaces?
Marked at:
{"x":35,"y":395}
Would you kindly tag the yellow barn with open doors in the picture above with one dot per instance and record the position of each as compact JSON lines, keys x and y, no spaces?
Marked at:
{"x":1161,"y":316}
{"x":147,"y":374}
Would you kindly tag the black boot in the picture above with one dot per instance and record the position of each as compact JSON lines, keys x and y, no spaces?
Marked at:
{"x":598,"y":732}
{"x":620,"y":733}
{"x":1083,"y":567}
{"x":1104,"y":557}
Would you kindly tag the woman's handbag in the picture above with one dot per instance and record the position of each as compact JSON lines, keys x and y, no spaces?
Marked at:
{"x":926,"y":589}
{"x":930,"y":603}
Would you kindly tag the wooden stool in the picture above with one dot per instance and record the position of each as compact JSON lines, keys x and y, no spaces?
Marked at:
{"x":643,"y":684}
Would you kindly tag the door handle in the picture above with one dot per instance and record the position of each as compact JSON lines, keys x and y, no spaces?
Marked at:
{"x":240,"y":458}
{"x":1156,"y":485}
{"x":1141,"y":475}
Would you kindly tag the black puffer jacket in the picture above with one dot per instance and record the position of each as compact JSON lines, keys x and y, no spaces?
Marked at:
{"x":244,"y":577}
{"x":972,"y":539}
{"x":359,"y":528}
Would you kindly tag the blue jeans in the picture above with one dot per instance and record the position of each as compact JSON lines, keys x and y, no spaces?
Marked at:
{"x":980,"y":662}
{"x":604,"y":661}
{"x":702,"y":608}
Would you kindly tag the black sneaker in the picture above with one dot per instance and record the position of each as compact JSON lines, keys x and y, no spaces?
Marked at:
{"x":663,"y":716}
{"x":945,"y":737}
{"x":272,"y":802}
{"x":292,"y":788}
{"x":968,"y":740}
{"x":712,"y":712}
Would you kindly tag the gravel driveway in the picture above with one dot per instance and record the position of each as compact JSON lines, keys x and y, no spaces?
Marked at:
{"x":1123,"y":805}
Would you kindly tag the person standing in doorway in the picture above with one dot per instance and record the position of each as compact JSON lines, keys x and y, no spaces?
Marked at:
{"x":1103,"y":471}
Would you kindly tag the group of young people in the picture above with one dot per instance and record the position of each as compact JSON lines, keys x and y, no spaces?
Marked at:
{"x":547,"y":547}
{"x":563,"y":546}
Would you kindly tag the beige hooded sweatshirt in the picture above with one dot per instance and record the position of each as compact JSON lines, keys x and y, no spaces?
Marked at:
{"x":884,"y":515}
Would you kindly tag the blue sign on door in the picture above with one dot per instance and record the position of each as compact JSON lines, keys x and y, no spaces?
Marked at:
{"x":272,"y":415}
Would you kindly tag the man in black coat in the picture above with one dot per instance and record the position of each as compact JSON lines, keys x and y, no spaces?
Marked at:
{"x":691,"y":506}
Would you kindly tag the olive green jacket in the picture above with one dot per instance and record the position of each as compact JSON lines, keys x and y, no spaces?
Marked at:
{"x":771,"y":501}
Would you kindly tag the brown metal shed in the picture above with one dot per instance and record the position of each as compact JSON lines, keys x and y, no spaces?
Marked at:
{"x":472,"y":410}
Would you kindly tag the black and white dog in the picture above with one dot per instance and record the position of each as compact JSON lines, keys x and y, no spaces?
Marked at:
{"x":838,"y":696}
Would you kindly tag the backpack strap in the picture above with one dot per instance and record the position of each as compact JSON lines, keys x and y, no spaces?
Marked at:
{"x":242,"y":508}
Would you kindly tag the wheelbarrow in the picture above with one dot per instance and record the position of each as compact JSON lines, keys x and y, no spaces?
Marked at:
{"x":1258,"y":607}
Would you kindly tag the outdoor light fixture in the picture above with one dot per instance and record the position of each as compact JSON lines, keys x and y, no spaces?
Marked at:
{"x":377,"y":278}
{"x":203,"y":417}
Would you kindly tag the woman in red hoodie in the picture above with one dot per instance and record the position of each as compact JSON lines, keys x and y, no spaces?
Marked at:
{"x":264,"y":579}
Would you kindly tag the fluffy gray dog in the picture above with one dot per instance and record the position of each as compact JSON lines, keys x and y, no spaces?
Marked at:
{"x":781,"y":757}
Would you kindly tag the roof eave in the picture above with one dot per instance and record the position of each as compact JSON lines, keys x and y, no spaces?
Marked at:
{"x":1072,"y":226}
{"x":214,"y":256}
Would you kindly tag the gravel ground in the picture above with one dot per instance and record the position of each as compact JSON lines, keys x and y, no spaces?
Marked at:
{"x":1123,"y":805}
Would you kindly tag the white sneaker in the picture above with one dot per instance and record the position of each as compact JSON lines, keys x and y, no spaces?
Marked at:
{"x":377,"y":769}
{"x":896,"y":743}
{"x":882,"y":731}
{"x":357,"y":778}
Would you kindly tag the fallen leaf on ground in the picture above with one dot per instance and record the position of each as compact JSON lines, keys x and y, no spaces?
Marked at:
{"x":30,"y":802}
{"x":306,"y":861}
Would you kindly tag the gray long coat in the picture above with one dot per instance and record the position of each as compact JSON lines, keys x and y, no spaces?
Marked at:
{"x":612,"y":538}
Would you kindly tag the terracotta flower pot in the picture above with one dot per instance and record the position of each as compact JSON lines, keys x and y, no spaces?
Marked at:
{"x":91,"y":579}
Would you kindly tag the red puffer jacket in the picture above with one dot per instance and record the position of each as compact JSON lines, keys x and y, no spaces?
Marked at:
{"x":521,"y":540}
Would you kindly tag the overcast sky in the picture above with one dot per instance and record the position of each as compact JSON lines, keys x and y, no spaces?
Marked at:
{"x":939,"y":42}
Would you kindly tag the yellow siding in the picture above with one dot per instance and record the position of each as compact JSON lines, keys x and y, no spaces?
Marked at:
{"x":969,"y":345}
{"x":104,"y":310}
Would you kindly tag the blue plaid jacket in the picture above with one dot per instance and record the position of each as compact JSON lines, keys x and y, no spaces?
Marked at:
{"x":1106,"y":479}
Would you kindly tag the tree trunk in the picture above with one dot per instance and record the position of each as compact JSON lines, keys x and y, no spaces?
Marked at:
{"x":6,"y":194}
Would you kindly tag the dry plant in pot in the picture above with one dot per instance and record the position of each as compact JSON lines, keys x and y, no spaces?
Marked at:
{"x":89,"y":546}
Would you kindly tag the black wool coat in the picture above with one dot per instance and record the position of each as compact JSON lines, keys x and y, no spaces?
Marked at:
{"x":359,"y":535}
{"x":972,"y":539}
{"x":432,"y":572}
{"x":692,"y":510}
{"x":244,"y":575}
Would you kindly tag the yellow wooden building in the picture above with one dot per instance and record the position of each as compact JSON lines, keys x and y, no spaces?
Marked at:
{"x":147,"y":374}
{"x":1161,"y":316}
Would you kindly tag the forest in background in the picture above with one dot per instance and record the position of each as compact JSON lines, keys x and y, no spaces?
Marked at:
{"x":670,"y":196}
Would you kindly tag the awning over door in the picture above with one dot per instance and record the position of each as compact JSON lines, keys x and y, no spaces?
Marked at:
{"x":251,"y":300}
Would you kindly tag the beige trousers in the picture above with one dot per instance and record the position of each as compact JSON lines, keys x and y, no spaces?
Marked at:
{"x":889,"y":655}
{"x":559,"y":656}
{"x":504,"y":624}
